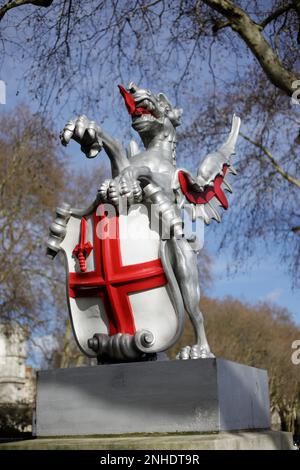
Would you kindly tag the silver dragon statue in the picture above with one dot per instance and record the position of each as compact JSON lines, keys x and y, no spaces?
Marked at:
{"x":131,"y":269}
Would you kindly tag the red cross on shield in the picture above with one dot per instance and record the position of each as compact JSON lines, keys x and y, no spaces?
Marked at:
{"x":107,"y":293}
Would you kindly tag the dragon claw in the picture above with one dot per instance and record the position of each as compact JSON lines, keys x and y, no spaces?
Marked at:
{"x":194,"y":352}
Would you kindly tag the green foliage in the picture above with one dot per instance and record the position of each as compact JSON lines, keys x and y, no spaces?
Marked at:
{"x":15,"y":419}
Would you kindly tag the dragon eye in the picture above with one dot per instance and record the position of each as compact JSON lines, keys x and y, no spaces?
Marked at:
{"x":132,"y":88}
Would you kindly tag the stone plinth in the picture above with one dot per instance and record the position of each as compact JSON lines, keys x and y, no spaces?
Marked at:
{"x":202,"y":395}
{"x":241,"y":440}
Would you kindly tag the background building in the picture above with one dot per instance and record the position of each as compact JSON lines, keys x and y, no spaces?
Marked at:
{"x":17,"y":380}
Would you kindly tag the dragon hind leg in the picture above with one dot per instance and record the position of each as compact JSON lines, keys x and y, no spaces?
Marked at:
{"x":184,"y":262}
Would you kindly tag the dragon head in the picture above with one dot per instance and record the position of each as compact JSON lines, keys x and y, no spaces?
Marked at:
{"x":150,"y":113}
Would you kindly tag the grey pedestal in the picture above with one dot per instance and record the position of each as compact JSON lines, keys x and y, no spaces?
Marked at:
{"x":203,"y":395}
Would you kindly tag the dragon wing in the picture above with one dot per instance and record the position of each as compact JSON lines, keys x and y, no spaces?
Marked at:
{"x":206,"y":191}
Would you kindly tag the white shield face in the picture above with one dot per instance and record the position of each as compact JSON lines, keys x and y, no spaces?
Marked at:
{"x":115,"y":279}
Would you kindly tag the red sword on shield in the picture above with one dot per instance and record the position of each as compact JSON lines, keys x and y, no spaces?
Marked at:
{"x":83,"y":248}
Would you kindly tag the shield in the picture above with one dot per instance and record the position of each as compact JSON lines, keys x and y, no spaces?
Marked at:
{"x":118,"y":281}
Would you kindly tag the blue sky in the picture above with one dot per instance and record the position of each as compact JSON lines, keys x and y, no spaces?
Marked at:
{"x":263,"y":279}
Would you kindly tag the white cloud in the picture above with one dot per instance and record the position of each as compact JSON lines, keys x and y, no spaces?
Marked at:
{"x":273,"y":296}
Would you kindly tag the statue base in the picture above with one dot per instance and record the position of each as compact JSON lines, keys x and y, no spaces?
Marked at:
{"x":240,"y":440}
{"x":201,"y":395}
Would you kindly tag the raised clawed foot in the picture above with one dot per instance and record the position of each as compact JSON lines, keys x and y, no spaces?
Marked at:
{"x":194,"y":352}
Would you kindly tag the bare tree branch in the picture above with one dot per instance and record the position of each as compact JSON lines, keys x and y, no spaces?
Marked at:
{"x":275,"y":14}
{"x":220,"y":25}
{"x":252,"y":35}
{"x":296,"y":5}
{"x":18,"y":3}
{"x":275,"y":164}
